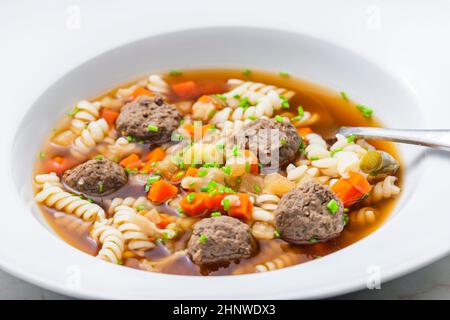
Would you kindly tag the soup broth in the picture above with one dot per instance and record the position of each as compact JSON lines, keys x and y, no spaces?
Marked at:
{"x":331,"y":111}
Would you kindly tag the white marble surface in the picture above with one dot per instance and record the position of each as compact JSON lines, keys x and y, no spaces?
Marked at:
{"x":40,"y":42}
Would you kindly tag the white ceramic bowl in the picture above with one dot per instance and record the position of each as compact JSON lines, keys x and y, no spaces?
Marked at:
{"x":32,"y":251}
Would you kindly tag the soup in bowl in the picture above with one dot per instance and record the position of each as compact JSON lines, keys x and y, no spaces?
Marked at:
{"x":215,"y":172}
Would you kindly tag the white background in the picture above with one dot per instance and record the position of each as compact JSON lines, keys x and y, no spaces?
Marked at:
{"x":39,"y":42}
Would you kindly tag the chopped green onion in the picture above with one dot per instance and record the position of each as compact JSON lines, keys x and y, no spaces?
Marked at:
{"x":345,"y":218}
{"x":247,"y":167}
{"x":190,"y":197}
{"x":296,"y":118}
{"x":229,"y":190}
{"x":277,"y":234}
{"x":177,"y":137}
{"x":202,"y":173}
{"x":252,"y":117}
{"x":313,"y":239}
{"x":42,"y":155}
{"x":257,"y":188}
{"x":333,"y":152}
{"x":235,"y":151}
{"x":140,"y":207}
{"x":332,"y":206}
{"x":344,"y":96}
{"x":226,"y":204}
{"x":220,"y":146}
{"x":351,"y":138}
{"x":221,"y":96}
{"x":244,"y":103}
{"x":300,"y":111}
{"x":246,"y":72}
{"x":284,"y":74}
{"x":152,"y":179}
{"x":216,"y":214}
{"x":279,"y":118}
{"x":314,"y":158}
{"x":365,"y":111}
{"x":101,"y":187}
{"x":98,"y":157}
{"x":283,"y":141}
{"x":152,"y":128}
{"x":175,"y":72}
{"x":284,"y":102}
{"x":227,"y":170}
{"x":203,"y":238}
{"x":74,"y":111}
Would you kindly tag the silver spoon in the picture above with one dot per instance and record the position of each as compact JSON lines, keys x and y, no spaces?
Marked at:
{"x":437,"y":139}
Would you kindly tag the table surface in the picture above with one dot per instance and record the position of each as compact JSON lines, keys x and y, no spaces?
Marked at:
{"x":47,"y":35}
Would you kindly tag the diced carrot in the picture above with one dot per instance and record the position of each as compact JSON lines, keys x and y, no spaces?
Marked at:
{"x":191,"y":172}
{"x":359,"y":182}
{"x":189,"y":127}
{"x":346,"y":192}
{"x":244,"y":210}
{"x":194,"y":204}
{"x":186,"y":90}
{"x":304,"y":131}
{"x":252,"y":160}
{"x":131,"y":162}
{"x":156,"y":154}
{"x":165,"y":220}
{"x":141,"y":92}
{"x":214,"y":203}
{"x":162,"y":191}
{"x":58,"y":165}
{"x":109,"y":115}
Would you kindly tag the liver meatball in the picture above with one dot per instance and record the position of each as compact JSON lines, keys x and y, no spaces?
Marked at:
{"x":219,"y":240}
{"x":302,"y":215}
{"x":96,"y":177}
{"x":259,"y":137}
{"x":149,"y":119}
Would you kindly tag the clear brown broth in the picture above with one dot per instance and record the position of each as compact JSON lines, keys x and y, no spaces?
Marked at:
{"x":334,"y":111}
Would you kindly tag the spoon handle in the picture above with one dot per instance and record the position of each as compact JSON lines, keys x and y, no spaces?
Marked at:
{"x":437,"y":139}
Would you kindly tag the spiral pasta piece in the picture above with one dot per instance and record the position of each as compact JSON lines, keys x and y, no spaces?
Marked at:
{"x":284,"y":260}
{"x":132,"y":202}
{"x":263,"y":230}
{"x":112,"y":242}
{"x":317,"y":147}
{"x":43,"y":181}
{"x":364,"y":216}
{"x":119,"y":148}
{"x":86,"y":113}
{"x":95,"y":132}
{"x":254,"y":91}
{"x":157,"y":85}
{"x":55,"y":197}
{"x":268,"y":202}
{"x":383,"y":190}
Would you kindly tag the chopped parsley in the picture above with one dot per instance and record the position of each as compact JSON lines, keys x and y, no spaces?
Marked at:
{"x":332,"y":206}
{"x":175,"y":72}
{"x":152,"y":128}
{"x":365,"y":111}
{"x":246,"y":72}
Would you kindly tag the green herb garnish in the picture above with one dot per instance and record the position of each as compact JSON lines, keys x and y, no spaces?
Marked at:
{"x":227,"y":170}
{"x":175,"y":72}
{"x":190,"y":197}
{"x":203,"y":238}
{"x":246,"y":72}
{"x":279,"y":118}
{"x":226,"y":204}
{"x":277,"y":234}
{"x":202,"y":173}
{"x":152,"y":128}
{"x":332,"y":206}
{"x":257,"y":188}
{"x":365,"y":111}
{"x":351,"y":138}
{"x":344,"y":96}
{"x":216,"y":214}
{"x":284,"y":74}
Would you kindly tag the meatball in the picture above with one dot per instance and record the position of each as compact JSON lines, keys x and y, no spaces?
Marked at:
{"x":96,"y":177}
{"x":219,"y":240}
{"x":258,"y":137}
{"x":309,"y":214}
{"x":149,"y":119}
